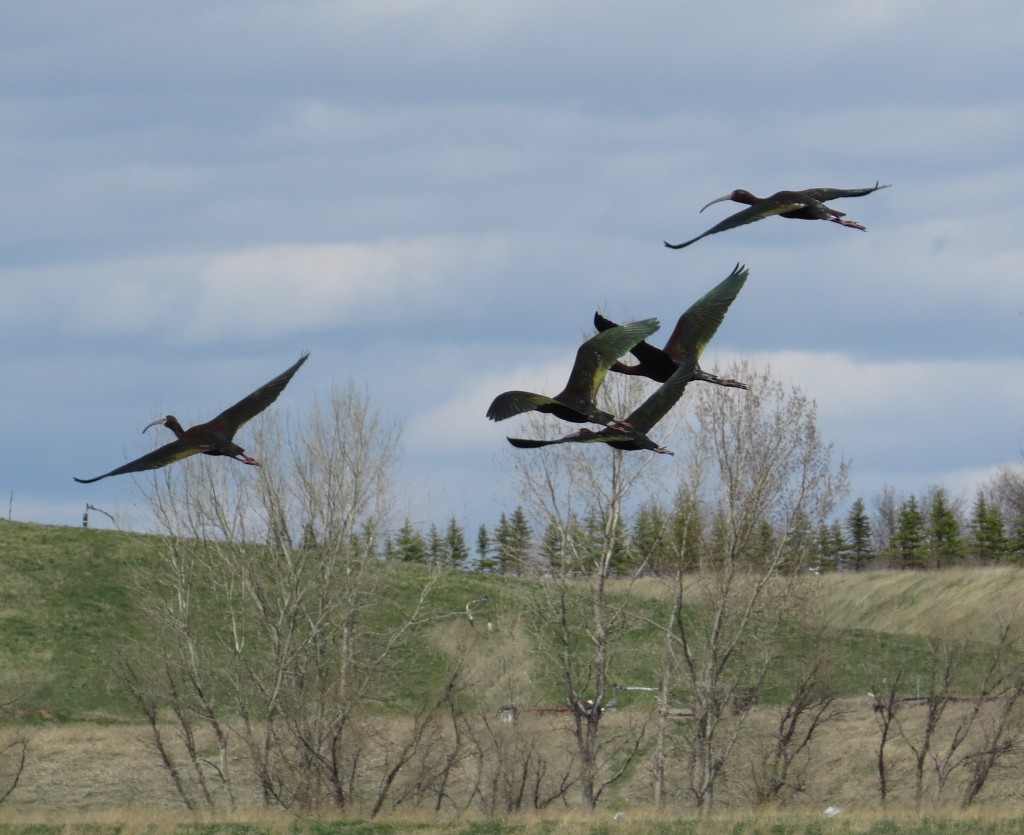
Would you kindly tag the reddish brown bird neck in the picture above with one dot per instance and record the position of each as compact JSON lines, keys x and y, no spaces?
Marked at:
{"x":171,"y":422}
{"x":741,"y":195}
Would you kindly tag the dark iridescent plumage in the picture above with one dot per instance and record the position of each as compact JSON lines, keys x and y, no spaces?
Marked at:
{"x":692,"y":333}
{"x":630,"y":433}
{"x":808,"y":204}
{"x":211,"y":438}
{"x":577,"y":401}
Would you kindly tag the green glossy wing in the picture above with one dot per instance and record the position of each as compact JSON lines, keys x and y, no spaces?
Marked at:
{"x":511,"y":403}
{"x":248,"y":407}
{"x":160,"y":457}
{"x":531,"y":443}
{"x":826,"y":194}
{"x":701,"y":320}
{"x":654,"y":408}
{"x":595,"y":356}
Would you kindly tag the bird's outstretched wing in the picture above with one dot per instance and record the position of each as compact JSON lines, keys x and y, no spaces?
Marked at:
{"x":759,"y":211}
{"x":248,"y":407}
{"x":582,"y":436}
{"x":826,"y":194}
{"x":643,"y":418}
{"x":511,"y":403}
{"x":160,"y":457}
{"x":595,"y":356}
{"x":702,"y":319}
{"x":531,"y":443}
{"x":617,"y":438}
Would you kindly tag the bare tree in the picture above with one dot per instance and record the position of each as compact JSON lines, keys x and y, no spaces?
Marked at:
{"x":883,"y":527}
{"x":985,"y":728}
{"x":886,"y":705}
{"x":262,"y":608}
{"x":781,"y":770}
{"x":763,"y":480}
{"x":1000,"y":737}
{"x":562,"y":486}
{"x":946,"y":656}
{"x":967,"y":717}
{"x":1006,"y":489}
{"x":684,"y":533}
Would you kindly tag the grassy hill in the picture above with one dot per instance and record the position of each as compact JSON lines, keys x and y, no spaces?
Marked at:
{"x":66,"y":608}
{"x":69,"y":604}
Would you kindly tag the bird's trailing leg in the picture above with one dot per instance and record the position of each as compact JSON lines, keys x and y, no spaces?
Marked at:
{"x":851,"y":223}
{"x":245,"y":459}
{"x":720,"y":381}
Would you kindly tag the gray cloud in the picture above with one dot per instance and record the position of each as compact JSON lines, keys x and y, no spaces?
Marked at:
{"x":434,"y":197}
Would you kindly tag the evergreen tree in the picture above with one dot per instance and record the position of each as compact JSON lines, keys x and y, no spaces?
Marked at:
{"x":858,"y":526}
{"x":512,"y":542}
{"x":435,"y":546}
{"x":832,"y":546}
{"x":502,"y":542}
{"x":685,"y":533}
{"x":521,"y":538}
{"x":483,"y":549}
{"x":943,"y":530}
{"x":649,"y":539}
{"x":720,"y":547}
{"x":410,"y":544}
{"x":623,"y":558}
{"x":799,"y":549}
{"x":1016,"y":544}
{"x":909,"y":540}
{"x":764,"y":544}
{"x":456,"y":552}
{"x":987,"y":530}
{"x":554,"y":547}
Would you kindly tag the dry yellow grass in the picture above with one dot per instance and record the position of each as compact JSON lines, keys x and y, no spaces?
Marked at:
{"x":961,"y":601}
{"x":107,"y":774}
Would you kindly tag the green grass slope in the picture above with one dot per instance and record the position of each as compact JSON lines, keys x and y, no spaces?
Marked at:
{"x":66,"y":609}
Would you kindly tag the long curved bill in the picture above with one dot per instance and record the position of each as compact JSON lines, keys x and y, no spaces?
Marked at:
{"x":716,"y":200}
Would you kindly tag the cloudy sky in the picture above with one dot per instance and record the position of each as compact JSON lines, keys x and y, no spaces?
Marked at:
{"x":433,"y":197}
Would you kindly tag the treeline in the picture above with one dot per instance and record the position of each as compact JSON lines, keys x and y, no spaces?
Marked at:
{"x":933,"y":531}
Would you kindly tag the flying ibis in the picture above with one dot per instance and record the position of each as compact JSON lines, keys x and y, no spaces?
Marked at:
{"x":211,"y":438}
{"x":808,"y":204}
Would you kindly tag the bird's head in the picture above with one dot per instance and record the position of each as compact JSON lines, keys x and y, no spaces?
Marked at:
{"x":738,"y":195}
{"x":171,"y":422}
